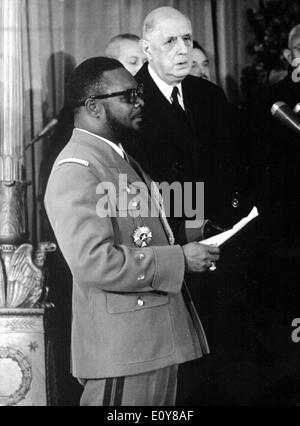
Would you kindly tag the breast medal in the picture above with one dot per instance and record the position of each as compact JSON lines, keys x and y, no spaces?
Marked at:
{"x":142,"y":236}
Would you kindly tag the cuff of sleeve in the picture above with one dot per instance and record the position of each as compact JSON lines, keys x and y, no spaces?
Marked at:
{"x":194,"y":230}
{"x":169,"y":268}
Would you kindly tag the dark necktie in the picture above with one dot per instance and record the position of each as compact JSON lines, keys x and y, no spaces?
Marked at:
{"x":175,"y":102}
{"x":176,"y":105}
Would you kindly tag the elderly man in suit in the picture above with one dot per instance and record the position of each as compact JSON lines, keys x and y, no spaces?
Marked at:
{"x":185,"y":134}
{"x":131,"y":327}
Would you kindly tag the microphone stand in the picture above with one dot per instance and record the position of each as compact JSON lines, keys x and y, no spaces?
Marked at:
{"x":33,"y":141}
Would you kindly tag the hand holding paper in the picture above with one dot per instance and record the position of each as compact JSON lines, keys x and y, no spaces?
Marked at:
{"x":219,"y":239}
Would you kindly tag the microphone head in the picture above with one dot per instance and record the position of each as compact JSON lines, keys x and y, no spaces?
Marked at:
{"x":282,"y":112}
{"x":52,"y":123}
{"x":297,"y":108}
{"x":277,"y":106}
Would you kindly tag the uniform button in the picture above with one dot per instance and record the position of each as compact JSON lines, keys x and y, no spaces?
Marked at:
{"x":141,"y":277}
{"x":235,"y":203}
{"x":135,"y":204}
{"x":127,"y":189}
{"x":140,"y":302}
{"x":142,"y":256}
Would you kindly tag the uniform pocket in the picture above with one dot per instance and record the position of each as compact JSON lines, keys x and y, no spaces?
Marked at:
{"x":141,"y":327}
{"x":117,"y":303}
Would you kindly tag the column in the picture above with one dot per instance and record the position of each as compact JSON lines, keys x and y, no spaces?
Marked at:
{"x":13,"y":228}
{"x":23,"y":378}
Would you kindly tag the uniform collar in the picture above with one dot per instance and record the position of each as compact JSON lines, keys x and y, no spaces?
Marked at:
{"x":118,"y":148}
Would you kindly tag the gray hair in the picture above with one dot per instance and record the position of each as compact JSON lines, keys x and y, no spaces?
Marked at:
{"x":152,"y":18}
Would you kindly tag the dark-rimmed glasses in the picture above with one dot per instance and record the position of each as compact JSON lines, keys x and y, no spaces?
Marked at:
{"x":130,"y":95}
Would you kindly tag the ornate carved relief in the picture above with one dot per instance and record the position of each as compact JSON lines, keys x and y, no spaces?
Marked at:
{"x":20,"y":324}
{"x":22,"y":276}
{"x":15,"y":365}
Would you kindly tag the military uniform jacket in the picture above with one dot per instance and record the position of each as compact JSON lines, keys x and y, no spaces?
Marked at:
{"x":129,"y":315}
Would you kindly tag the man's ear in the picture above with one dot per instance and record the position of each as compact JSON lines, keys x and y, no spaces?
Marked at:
{"x":288,"y":55}
{"x":145,"y":45}
{"x":94,"y":108}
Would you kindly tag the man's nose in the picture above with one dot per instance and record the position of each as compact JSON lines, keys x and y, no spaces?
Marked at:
{"x":182,"y":47}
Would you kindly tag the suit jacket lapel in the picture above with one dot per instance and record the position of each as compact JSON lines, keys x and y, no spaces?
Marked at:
{"x":156,"y":100}
{"x":191,"y":109}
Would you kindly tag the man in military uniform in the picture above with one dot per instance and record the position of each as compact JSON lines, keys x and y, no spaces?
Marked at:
{"x":131,"y":326}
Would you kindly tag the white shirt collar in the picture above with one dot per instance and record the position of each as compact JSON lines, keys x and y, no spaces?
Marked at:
{"x":118,"y":148}
{"x":165,"y":88}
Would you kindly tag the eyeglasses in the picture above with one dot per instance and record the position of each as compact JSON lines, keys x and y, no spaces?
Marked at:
{"x":130,"y":95}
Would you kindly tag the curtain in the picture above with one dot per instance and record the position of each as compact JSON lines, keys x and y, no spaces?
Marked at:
{"x":232,"y":34}
{"x":59,"y":34}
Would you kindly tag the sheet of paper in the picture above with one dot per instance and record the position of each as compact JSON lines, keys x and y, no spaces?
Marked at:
{"x":219,"y":239}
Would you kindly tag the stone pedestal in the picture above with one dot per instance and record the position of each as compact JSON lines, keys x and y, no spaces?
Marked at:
{"x":22,"y":358}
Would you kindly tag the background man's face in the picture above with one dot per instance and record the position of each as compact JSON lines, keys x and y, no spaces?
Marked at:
{"x":122,"y":117}
{"x":170,"y":49}
{"x":200,"y":65}
{"x":131,"y":55}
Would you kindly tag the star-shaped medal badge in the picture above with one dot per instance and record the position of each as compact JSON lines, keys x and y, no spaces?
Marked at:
{"x":142,"y":236}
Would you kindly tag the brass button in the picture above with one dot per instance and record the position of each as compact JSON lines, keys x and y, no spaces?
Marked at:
{"x":135,"y":204}
{"x":142,"y":256}
{"x":140,"y":302}
{"x":141,"y":277}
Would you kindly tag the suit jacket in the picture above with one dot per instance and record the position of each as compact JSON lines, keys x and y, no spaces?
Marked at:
{"x":129,"y":315}
{"x":196,"y":148}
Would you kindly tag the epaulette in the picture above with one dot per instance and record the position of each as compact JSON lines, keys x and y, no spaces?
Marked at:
{"x":74,"y":160}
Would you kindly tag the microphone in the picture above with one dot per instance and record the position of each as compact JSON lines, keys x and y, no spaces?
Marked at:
{"x":52,"y":123}
{"x":297,"y":108}
{"x":283,"y":113}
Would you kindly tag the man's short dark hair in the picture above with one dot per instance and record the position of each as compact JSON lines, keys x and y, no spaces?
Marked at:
{"x":86,"y":79}
{"x":197,"y":45}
